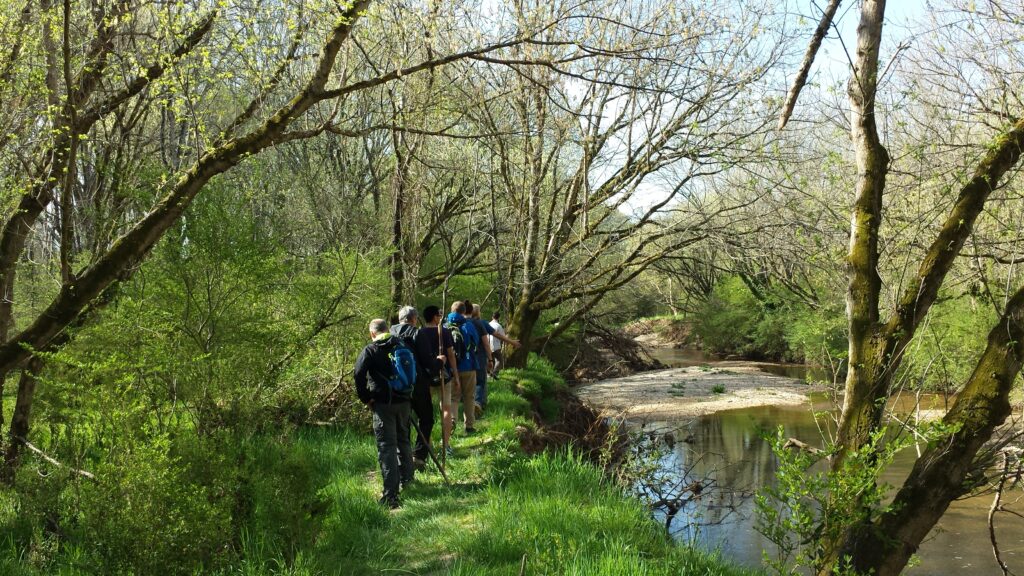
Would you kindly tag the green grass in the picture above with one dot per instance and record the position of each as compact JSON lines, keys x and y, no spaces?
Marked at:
{"x":555,"y":509}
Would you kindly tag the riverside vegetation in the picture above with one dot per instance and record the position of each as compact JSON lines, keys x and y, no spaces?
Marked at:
{"x":203,"y":201}
{"x":302,"y":501}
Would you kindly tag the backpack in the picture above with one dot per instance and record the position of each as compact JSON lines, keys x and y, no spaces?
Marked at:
{"x":465,"y":338}
{"x":404,"y":363}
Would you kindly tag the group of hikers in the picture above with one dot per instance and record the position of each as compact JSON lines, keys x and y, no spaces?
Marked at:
{"x":410,"y":368}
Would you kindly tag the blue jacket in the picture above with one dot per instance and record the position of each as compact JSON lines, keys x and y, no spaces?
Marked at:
{"x":465,"y":359}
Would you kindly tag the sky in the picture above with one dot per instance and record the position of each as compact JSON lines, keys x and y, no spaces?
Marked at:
{"x":900,"y":17}
{"x":831,"y":65}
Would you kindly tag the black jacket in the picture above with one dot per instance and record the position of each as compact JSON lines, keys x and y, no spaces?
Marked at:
{"x":407,"y":332}
{"x":372,"y":369}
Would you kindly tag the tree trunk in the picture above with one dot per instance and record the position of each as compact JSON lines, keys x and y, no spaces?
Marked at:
{"x":398,"y":241}
{"x":521,"y":327}
{"x":21,"y":420}
{"x":867,"y":379}
{"x":950,"y":467}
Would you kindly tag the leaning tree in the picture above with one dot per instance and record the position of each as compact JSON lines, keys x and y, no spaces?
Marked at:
{"x":119,"y":114}
{"x":883,"y":321}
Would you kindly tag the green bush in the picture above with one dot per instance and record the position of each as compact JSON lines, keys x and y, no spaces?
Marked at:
{"x":146,"y":515}
{"x":540,"y":383}
{"x":946,"y":348}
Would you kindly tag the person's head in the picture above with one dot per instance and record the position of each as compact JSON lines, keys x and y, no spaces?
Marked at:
{"x":459,"y":307}
{"x":476,"y":310}
{"x":431,"y":314}
{"x":377,"y":327}
{"x":407,"y":315}
{"x":496,"y":316}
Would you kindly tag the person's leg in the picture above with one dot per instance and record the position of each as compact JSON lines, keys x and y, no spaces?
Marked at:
{"x":481,"y":388}
{"x":467,"y":381}
{"x":386,"y":433}
{"x":402,"y":414}
{"x":499,"y":360}
{"x":455,"y":384}
{"x":424,"y":413}
{"x":444,"y":400}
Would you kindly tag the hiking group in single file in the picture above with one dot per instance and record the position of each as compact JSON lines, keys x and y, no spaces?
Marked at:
{"x":408,"y":368}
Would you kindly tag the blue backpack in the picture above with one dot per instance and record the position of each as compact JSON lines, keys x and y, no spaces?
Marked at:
{"x":404,"y":364}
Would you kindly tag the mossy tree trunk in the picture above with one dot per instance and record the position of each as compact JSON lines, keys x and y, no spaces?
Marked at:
{"x":882,"y":545}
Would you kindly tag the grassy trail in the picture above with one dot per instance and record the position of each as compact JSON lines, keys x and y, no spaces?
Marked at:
{"x":555,"y":509}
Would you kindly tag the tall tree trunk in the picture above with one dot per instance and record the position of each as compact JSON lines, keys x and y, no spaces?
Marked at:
{"x":21,"y":420}
{"x":867,"y":372}
{"x":397,"y":262}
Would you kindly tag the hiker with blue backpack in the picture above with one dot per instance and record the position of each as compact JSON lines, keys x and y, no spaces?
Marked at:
{"x":422,"y":408}
{"x":467,"y":341}
{"x":385,"y":373}
{"x":485,"y":356}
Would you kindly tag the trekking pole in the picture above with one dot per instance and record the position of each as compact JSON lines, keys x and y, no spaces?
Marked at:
{"x":445,"y":438}
{"x":430,"y":451}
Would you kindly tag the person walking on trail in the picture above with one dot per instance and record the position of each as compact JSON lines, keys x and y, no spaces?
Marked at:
{"x":437,"y":361}
{"x":466,"y":343}
{"x":406,"y":330}
{"x":495,"y":338}
{"x":384,"y":375}
{"x":485,"y":354}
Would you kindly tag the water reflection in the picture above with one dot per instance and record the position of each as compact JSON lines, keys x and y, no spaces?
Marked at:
{"x":691,"y":356}
{"x":729,"y":447}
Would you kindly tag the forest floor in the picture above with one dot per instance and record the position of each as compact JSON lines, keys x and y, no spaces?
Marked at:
{"x":694,"y":391}
{"x":505,"y":512}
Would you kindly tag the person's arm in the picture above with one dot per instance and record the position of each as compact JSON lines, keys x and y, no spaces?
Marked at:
{"x":362,"y":369}
{"x":487,"y":345}
{"x":452,"y":363}
{"x":506,"y":339}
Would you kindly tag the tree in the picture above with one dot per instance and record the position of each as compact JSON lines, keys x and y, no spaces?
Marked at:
{"x":669,"y":103}
{"x":954,"y":464}
{"x":211,"y":83}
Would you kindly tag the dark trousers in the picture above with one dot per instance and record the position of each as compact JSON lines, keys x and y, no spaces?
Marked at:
{"x":423,"y":408}
{"x":391,"y":428}
{"x":481,"y":386}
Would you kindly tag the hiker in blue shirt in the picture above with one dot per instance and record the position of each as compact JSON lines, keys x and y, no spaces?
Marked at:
{"x":484,"y":354}
{"x":467,"y":340}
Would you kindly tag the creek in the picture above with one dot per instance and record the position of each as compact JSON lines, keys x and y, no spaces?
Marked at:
{"x":728,"y":446}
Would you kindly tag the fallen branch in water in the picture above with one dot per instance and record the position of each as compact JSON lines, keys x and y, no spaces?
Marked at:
{"x":52,"y":460}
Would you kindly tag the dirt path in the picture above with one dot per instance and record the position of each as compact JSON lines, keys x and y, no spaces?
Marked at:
{"x":694,"y":391}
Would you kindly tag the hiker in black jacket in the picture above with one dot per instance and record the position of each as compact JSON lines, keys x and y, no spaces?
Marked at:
{"x":390,"y":408}
{"x":422,"y":408}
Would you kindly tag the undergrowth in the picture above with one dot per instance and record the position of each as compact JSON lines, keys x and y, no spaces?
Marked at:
{"x":556,"y":509}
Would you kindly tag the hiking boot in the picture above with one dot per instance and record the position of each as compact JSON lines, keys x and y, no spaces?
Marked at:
{"x":478,"y":410}
{"x":419,"y":464}
{"x":470,"y":431}
{"x":448,"y":452}
{"x":392,"y":503}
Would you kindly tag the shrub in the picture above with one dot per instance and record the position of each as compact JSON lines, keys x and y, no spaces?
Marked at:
{"x":146,"y":515}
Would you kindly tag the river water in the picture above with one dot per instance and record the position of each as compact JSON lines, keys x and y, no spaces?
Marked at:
{"x":728,"y":447}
